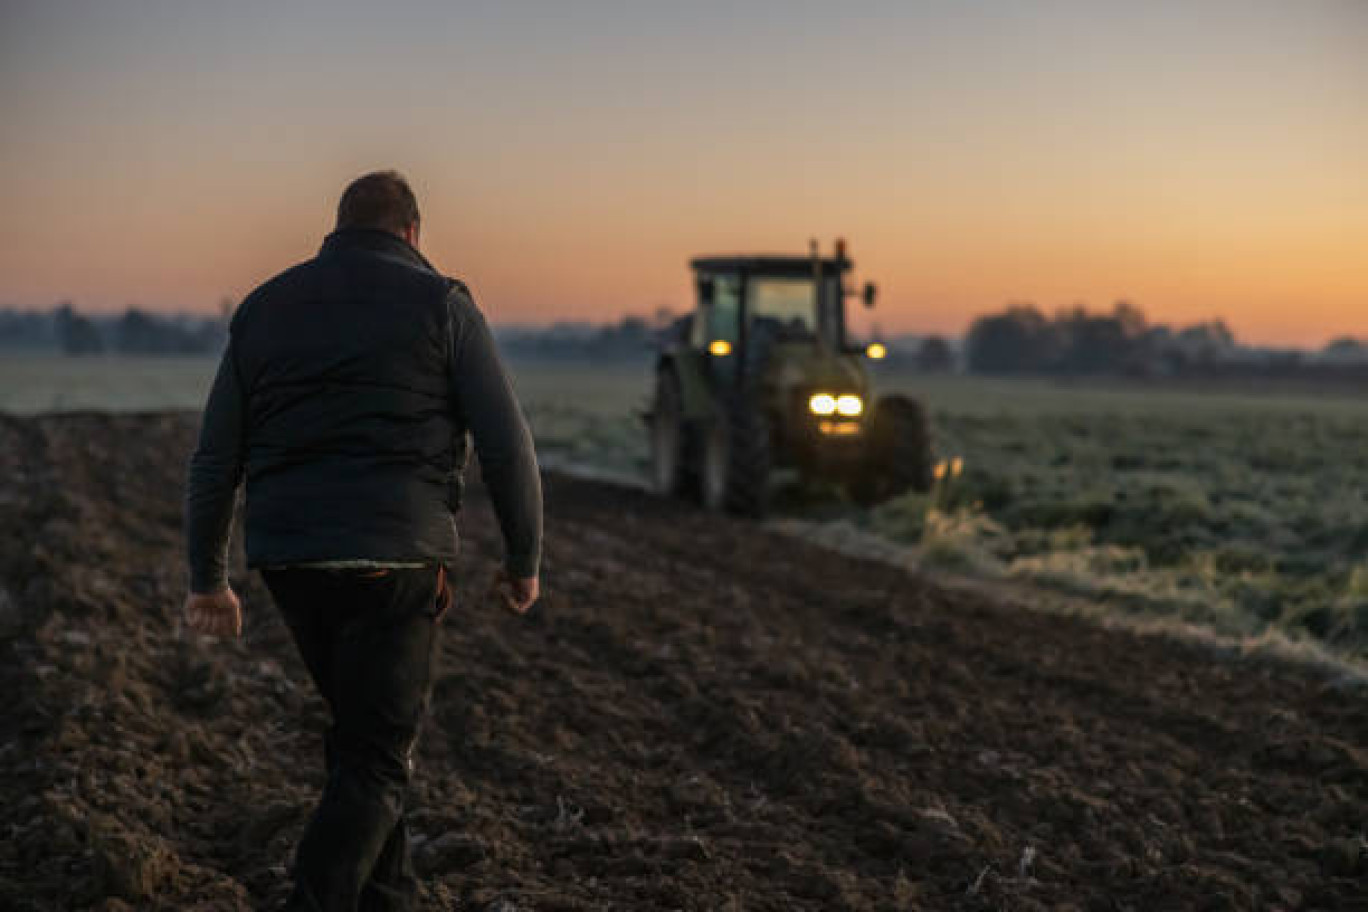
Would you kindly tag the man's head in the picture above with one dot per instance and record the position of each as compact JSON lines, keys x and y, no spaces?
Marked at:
{"x":380,"y":200}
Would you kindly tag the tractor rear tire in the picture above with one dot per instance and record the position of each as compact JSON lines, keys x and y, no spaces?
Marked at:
{"x":673,"y":469}
{"x":899,"y":458}
{"x":737,"y":460}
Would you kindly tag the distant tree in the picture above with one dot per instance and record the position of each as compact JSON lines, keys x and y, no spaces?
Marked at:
{"x":1077,"y":341}
{"x":1205,"y":343}
{"x":935,"y":356}
{"x":1093,"y":343}
{"x":76,"y":334}
{"x":1132,"y":319}
{"x":1345,"y":350}
{"x":138,"y":332}
{"x":27,"y":329}
{"x":1019,"y":340}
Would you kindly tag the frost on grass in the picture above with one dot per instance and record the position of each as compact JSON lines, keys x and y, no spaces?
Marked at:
{"x":1244,"y":515}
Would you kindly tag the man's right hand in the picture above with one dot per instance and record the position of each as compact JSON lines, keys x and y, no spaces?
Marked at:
{"x":516,"y":594}
{"x":214,"y":613}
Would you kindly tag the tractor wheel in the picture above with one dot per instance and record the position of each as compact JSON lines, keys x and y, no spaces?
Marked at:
{"x":672,"y":472}
{"x":736,"y":460}
{"x":899,"y":456}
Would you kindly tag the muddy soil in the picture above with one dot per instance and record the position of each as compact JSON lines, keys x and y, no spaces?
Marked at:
{"x":701,"y":715}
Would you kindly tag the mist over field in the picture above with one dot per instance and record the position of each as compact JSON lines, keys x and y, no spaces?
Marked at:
{"x":1242,"y":513}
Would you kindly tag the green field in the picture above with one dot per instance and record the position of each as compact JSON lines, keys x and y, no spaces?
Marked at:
{"x":1242,"y":513}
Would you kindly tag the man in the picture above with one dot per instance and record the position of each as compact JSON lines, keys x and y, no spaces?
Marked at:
{"x":345,"y":398}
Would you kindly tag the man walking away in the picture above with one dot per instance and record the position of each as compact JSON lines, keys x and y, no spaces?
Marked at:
{"x":345,"y":398}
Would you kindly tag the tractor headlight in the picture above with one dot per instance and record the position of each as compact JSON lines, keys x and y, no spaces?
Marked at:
{"x":822,"y":404}
{"x":849,"y":405}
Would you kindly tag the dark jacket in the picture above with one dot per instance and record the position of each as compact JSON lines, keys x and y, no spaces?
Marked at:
{"x":344,"y":399}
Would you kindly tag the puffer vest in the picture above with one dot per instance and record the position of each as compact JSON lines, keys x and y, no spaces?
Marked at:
{"x":352,"y":448}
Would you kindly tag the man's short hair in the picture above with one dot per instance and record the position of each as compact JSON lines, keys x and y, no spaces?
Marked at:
{"x":381,"y":199}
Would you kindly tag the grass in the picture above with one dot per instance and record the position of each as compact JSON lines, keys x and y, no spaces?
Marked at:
{"x":51,"y":383}
{"x":1245,"y":514}
{"x":1242,"y":513}
{"x":587,"y":414}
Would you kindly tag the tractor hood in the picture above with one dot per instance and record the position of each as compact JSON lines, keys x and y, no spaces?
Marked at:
{"x":816,"y":367}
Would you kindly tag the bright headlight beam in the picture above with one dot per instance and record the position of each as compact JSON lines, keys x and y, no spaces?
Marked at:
{"x":822,"y":404}
{"x":849,"y":405}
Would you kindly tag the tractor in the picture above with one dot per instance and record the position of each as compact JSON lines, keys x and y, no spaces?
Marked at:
{"x":762,"y":376}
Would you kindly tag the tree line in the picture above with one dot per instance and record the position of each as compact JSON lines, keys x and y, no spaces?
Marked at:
{"x":133,"y":332}
{"x":1075,"y":340}
{"x":1020,"y":339}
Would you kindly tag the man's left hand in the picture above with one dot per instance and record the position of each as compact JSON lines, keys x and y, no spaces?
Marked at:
{"x":215,"y":613}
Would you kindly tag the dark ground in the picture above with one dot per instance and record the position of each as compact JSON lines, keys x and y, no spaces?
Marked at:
{"x":701,"y":715}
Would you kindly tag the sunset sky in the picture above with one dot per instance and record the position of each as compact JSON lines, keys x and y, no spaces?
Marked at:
{"x":1200,"y":158}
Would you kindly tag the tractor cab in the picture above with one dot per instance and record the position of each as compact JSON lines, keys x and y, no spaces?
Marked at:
{"x":769,"y":299}
{"x":763,"y":375}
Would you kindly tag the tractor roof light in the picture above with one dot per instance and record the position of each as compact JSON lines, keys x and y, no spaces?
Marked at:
{"x":719,"y":347}
{"x":877,"y":351}
{"x":822,"y":404}
{"x":849,"y":405}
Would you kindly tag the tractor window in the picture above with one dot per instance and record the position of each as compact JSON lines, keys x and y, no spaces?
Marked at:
{"x":788,"y":303}
{"x":724,"y":310}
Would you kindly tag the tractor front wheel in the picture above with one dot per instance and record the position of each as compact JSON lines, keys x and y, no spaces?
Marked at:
{"x":737,"y":460}
{"x":898,"y":458}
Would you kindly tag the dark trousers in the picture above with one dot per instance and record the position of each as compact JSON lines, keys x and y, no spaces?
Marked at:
{"x":368,"y":639}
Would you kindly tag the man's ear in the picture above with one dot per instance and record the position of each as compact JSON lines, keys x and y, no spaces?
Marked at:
{"x":411,"y":235}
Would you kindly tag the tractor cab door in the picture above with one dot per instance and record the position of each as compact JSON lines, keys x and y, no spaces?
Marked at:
{"x":719,"y":314}
{"x":717,"y":332}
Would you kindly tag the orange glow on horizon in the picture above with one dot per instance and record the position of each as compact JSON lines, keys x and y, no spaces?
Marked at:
{"x":1199,"y":166}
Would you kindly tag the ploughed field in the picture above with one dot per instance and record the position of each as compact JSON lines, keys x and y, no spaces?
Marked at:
{"x":702,"y":714}
{"x":1242,"y":513}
